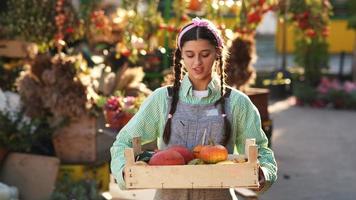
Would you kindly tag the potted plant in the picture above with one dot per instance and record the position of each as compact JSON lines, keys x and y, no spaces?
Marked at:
{"x":24,"y":137}
{"x":60,"y":87}
{"x":18,"y":132}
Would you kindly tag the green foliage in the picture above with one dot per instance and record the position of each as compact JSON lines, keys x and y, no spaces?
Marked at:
{"x":311,"y":18}
{"x":313,"y":55}
{"x":351,"y":100}
{"x":66,"y":189}
{"x":305,"y":92}
{"x":21,"y":134}
{"x":30,"y":20}
{"x":352,"y":13}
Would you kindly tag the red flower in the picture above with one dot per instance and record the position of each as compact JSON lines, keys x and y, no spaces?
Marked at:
{"x":254,"y":17}
{"x":70,"y":30}
{"x":170,"y":28}
{"x":325,"y":32}
{"x":261,"y":2}
{"x":112,"y":104}
{"x":126,"y":53}
{"x":310,"y":33}
{"x":185,"y":18}
{"x":305,"y":15}
{"x":58,"y":36}
{"x":303,"y":24}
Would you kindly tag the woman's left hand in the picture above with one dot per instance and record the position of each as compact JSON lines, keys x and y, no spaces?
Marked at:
{"x":261,"y":179}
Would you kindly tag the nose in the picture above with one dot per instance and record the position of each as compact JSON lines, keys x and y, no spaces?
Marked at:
{"x":198,"y":60}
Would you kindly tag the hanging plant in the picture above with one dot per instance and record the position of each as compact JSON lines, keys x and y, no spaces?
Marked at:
{"x":311,"y":19}
{"x":40,"y":21}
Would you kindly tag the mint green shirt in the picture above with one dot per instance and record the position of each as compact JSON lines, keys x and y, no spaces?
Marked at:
{"x":148,"y":123}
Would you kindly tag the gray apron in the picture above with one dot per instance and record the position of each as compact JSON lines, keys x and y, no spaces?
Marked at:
{"x":188,"y":125}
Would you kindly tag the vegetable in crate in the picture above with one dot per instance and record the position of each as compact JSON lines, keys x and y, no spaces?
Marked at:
{"x":187,"y":155}
{"x":167,"y":157}
{"x":213,"y":153}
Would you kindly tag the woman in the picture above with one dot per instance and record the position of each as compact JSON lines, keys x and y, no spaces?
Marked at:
{"x":197,"y":103}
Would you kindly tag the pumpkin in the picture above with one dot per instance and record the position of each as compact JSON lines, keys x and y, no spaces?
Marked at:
{"x":196,"y":150}
{"x":213,"y":153}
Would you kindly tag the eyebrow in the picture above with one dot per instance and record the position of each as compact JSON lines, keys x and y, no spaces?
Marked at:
{"x":190,"y":51}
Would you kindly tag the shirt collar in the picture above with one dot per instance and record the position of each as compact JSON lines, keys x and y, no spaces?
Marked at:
{"x":213,"y":86}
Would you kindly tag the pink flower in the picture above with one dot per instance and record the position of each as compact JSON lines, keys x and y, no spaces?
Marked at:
{"x":324,"y":85}
{"x":335,"y":84}
{"x":349,"y":86}
{"x":129,"y":101}
{"x":112,"y":103}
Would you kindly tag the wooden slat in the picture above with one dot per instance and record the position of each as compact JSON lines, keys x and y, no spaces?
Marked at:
{"x":193,"y":176}
{"x":136,"y":145}
{"x":252,"y":154}
{"x":248,"y":142}
{"x":129,"y":155}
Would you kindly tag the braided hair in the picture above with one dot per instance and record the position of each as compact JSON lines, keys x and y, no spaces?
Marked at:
{"x":195,"y":33}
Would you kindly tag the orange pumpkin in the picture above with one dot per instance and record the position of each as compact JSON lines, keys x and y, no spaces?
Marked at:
{"x":213,"y":153}
{"x":196,"y":150}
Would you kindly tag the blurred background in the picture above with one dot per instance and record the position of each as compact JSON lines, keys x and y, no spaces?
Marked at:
{"x":74,"y":72}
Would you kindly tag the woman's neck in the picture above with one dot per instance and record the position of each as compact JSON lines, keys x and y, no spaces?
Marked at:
{"x":200,"y":85}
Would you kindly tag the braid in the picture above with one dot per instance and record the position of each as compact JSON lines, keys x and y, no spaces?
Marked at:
{"x":227,"y":126}
{"x":175,"y":95}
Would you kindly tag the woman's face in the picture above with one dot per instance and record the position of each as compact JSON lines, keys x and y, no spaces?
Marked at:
{"x":198,"y":57}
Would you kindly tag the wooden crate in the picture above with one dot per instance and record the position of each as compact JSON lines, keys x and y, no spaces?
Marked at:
{"x":17,"y":49}
{"x":83,"y":141}
{"x":193,"y":176}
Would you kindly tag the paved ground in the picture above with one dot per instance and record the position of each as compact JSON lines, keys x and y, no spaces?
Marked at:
{"x":315,"y":152}
{"x":314,"y":149}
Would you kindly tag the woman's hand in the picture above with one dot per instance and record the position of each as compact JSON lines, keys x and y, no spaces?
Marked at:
{"x":261,"y":179}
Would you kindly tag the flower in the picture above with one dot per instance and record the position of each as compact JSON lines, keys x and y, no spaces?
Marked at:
{"x":349,"y":86}
{"x":113,"y":103}
{"x":18,"y":132}
{"x":9,"y":103}
{"x":119,"y":103}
